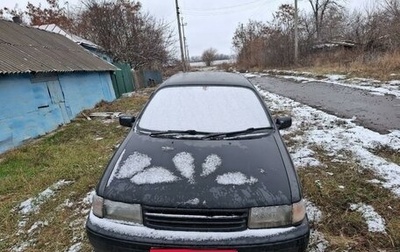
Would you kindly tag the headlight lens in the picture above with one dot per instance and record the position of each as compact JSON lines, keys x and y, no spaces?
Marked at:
{"x":98,"y":206}
{"x":267,"y":217}
{"x":299,"y":212}
{"x":276,"y":216}
{"x":123,"y":211}
{"x":104,"y":208}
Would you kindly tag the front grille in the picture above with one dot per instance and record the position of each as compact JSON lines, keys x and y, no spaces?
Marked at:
{"x":203,"y":220}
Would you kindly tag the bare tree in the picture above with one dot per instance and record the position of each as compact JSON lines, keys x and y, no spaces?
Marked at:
{"x":126,"y":33}
{"x":209,"y":56}
{"x":320,"y":8}
{"x":54,"y":14}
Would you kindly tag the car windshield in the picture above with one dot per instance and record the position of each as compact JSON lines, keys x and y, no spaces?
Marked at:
{"x":210,"y":109}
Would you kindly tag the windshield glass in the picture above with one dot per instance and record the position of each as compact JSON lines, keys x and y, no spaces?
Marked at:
{"x":204,"y":108}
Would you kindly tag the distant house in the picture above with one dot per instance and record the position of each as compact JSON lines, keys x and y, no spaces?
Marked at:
{"x":45,"y":81}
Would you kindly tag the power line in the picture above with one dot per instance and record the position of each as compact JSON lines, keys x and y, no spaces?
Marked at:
{"x":225,"y":12}
{"x":224,"y":8}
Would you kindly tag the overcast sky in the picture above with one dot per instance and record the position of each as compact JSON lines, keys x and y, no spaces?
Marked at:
{"x":210,"y":23}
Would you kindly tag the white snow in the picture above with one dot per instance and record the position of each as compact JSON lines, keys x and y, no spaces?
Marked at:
{"x":76,"y":247}
{"x":211,"y":163}
{"x":116,"y":168}
{"x":334,"y":136}
{"x":374,"y":86}
{"x":32,"y":205}
{"x":374,"y":221}
{"x":184,"y":162}
{"x":336,"y":77}
{"x":36,"y":225}
{"x":194,"y":201}
{"x":154,"y":175}
{"x":235,"y":178}
{"x":87,"y":200}
{"x":303,"y":157}
{"x":313,"y":213}
{"x":133,"y":164}
{"x":204,"y":108}
{"x":127,"y":228}
{"x":317,"y":242}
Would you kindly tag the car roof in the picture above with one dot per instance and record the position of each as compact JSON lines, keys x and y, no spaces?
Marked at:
{"x":207,"y":78}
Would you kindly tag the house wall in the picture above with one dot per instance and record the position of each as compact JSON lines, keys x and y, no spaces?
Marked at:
{"x":31,"y":106}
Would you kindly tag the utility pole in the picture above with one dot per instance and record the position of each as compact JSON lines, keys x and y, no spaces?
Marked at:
{"x":296,"y":33}
{"x":180,"y":37}
{"x":185,"y":46}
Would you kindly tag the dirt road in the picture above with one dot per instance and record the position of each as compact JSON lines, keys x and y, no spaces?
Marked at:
{"x":378,"y":113}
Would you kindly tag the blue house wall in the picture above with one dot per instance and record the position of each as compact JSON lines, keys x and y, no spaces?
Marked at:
{"x":31,"y":106}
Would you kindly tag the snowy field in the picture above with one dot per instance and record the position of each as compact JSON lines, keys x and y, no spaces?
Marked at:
{"x":334,"y":135}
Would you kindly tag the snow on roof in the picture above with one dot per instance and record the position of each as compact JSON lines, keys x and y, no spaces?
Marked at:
{"x":56,"y":29}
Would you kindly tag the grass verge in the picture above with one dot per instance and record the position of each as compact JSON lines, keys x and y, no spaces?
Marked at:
{"x":76,"y":152}
{"x":387,"y":153}
{"x":333,"y":188}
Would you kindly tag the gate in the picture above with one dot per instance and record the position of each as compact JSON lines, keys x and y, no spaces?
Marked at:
{"x":122,"y":80}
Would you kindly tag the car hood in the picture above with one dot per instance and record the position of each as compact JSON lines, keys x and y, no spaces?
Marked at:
{"x":198,"y":173}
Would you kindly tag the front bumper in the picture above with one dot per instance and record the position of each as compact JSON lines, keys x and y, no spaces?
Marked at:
{"x":109,"y":235}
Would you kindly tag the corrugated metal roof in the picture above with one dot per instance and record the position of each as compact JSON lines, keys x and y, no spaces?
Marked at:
{"x":56,"y":29}
{"x":25,"y":49}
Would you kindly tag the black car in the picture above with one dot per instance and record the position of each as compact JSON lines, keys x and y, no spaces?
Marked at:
{"x":203,"y":168}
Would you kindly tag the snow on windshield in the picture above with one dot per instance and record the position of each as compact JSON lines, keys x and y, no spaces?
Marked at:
{"x":204,"y":108}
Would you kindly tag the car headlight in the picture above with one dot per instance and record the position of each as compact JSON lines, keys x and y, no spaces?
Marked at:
{"x":104,"y":208}
{"x":277,"y":216}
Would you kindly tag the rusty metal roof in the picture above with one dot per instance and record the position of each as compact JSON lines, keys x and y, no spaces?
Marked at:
{"x":25,"y":49}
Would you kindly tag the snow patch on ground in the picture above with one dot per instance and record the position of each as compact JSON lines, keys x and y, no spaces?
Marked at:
{"x":374,"y":221}
{"x":75,"y":248}
{"x":303,"y":157}
{"x":313,"y":213}
{"x":317,"y":242}
{"x":374,"y":86}
{"x":235,"y":178}
{"x":337,"y":135}
{"x":32,"y":205}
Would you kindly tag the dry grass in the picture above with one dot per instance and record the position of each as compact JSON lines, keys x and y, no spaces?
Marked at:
{"x":346,"y":230}
{"x":384,"y":66}
{"x":388,"y":154}
{"x":71,"y":153}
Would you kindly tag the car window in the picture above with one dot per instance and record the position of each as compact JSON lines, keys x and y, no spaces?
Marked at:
{"x":204,"y":108}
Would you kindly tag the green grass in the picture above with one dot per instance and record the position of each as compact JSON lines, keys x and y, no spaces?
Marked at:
{"x":70,"y":153}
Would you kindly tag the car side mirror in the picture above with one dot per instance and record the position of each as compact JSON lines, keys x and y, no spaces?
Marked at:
{"x":126,"y":121}
{"x":283,"y":122}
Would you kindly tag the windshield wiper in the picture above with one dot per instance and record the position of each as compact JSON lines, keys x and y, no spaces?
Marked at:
{"x":178,"y":132}
{"x":236,"y":133}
